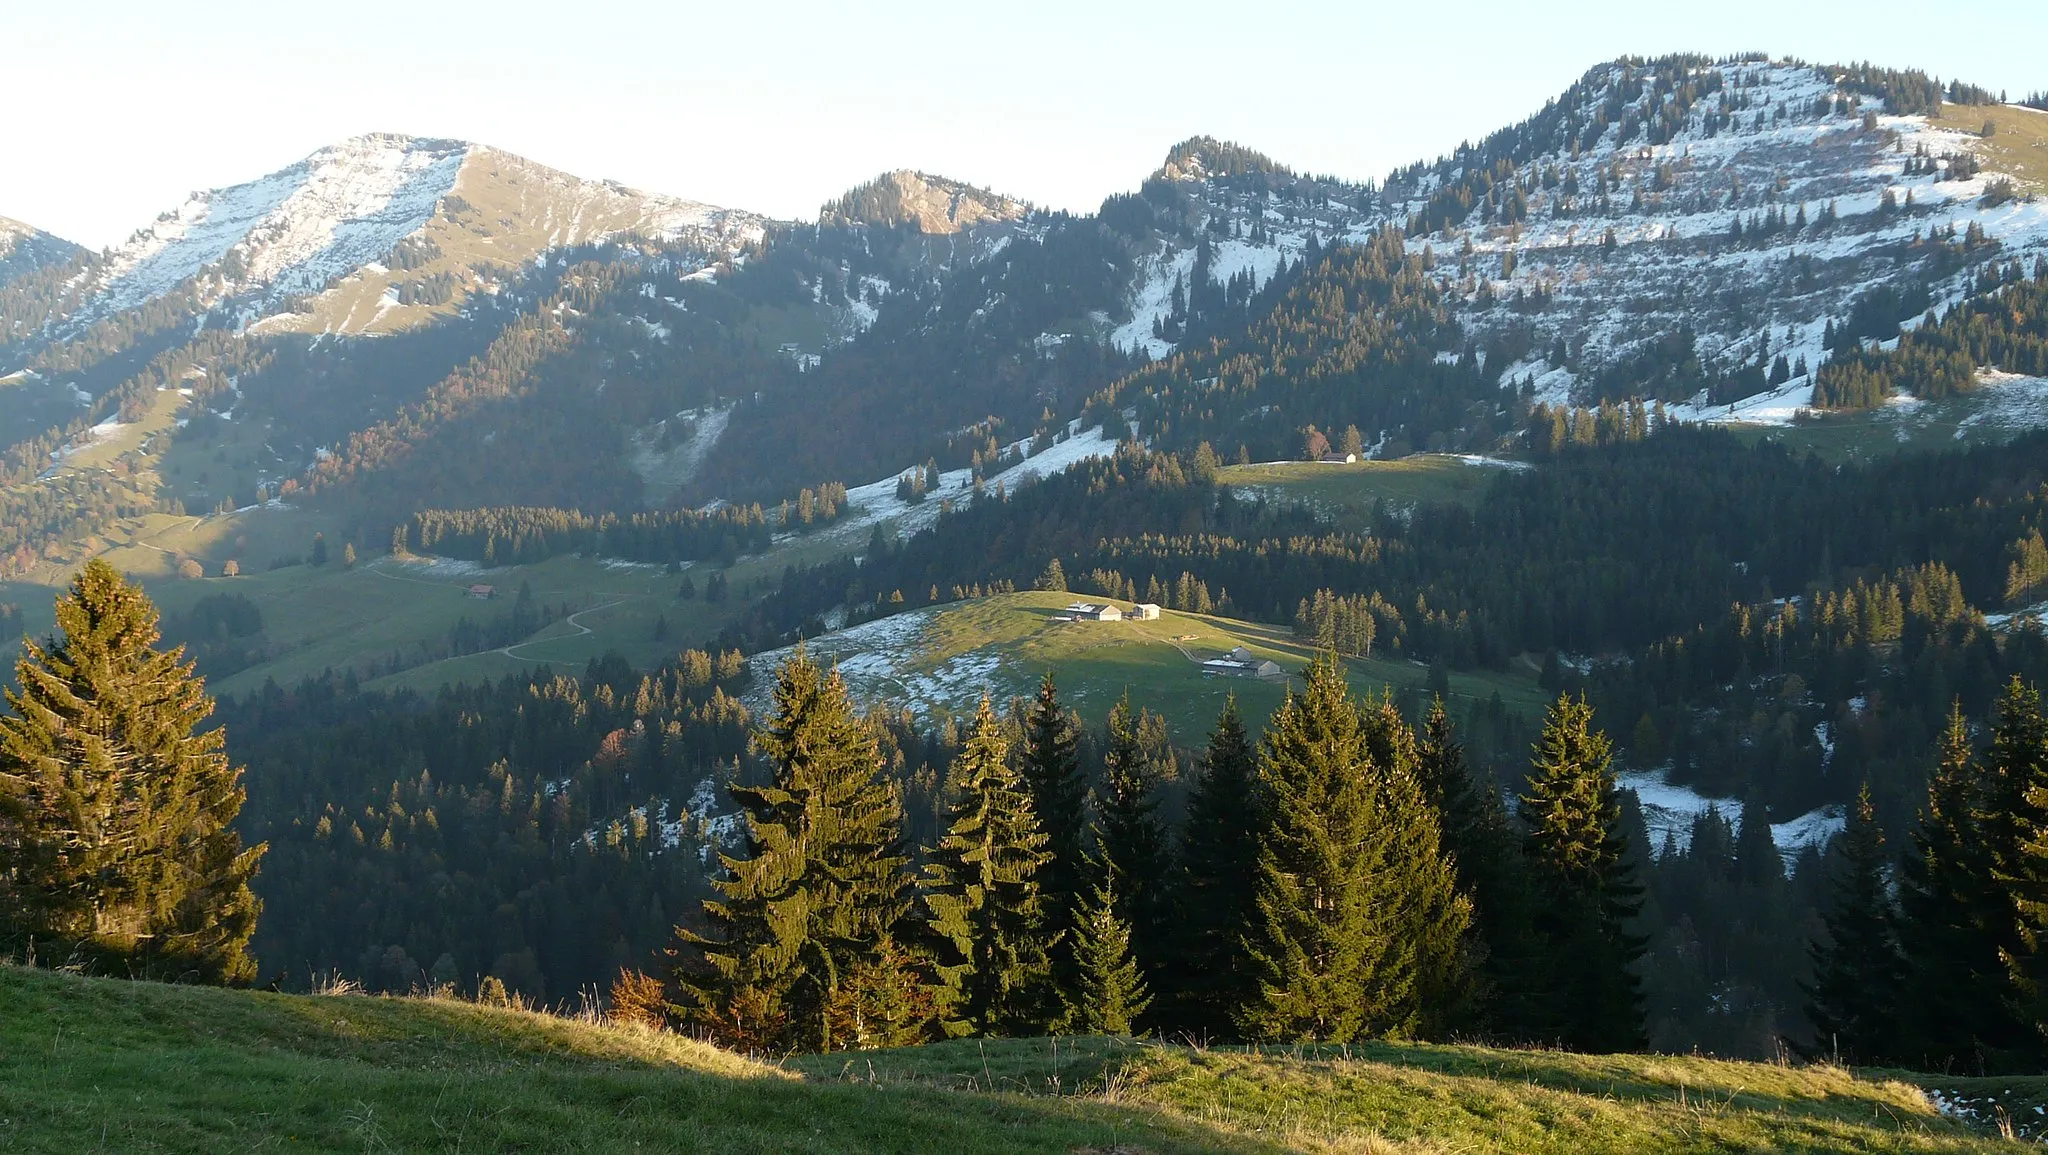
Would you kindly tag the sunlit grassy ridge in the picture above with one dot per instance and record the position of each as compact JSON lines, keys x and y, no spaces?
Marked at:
{"x":91,"y":1064}
{"x":946,"y":656}
{"x":1348,"y":493}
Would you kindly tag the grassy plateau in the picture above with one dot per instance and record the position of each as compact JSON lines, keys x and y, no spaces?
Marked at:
{"x":941,"y":659}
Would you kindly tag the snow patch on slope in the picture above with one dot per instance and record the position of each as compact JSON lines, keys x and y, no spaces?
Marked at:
{"x":1669,"y":810}
{"x":291,"y":231}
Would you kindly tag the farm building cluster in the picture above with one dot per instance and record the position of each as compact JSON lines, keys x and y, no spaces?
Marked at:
{"x":1108,"y":612}
{"x":1238,"y":663}
{"x":1241,"y":663}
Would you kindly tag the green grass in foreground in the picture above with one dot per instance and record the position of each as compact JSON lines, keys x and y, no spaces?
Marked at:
{"x":101,"y":1064}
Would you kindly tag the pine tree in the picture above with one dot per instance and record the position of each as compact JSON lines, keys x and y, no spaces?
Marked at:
{"x":1130,"y":840}
{"x":1587,"y":892}
{"x":1858,"y":984}
{"x":1109,"y":992}
{"x":820,"y":885}
{"x":1215,"y":900}
{"x":981,"y":892}
{"x":1356,"y":905}
{"x":117,"y":847}
{"x":1051,"y":769}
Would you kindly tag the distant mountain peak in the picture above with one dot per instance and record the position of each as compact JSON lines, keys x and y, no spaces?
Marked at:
{"x":934,"y":204}
{"x":305,"y":248}
{"x":25,"y":248}
{"x":1199,"y":158}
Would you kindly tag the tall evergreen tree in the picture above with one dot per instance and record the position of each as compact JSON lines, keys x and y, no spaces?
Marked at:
{"x":1130,"y":839}
{"x":1051,"y":769}
{"x":2019,"y":749}
{"x":820,"y":884}
{"x":1418,"y":884}
{"x":1858,"y":986}
{"x":1110,"y":993}
{"x":1356,"y":904}
{"x":1588,"y":894}
{"x":1215,"y":899}
{"x":1491,"y":872}
{"x":1955,"y":918}
{"x":981,"y":892}
{"x":117,"y":847}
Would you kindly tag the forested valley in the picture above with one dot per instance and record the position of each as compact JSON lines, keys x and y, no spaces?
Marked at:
{"x":1672,"y":687}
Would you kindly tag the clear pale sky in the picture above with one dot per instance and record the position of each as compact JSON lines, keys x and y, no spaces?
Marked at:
{"x":114,"y":111}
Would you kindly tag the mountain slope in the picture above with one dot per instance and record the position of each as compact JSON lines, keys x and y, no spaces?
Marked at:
{"x":930,"y":204}
{"x":1679,"y":229}
{"x":343,"y":211}
{"x":145,"y":1067}
{"x":25,"y":249}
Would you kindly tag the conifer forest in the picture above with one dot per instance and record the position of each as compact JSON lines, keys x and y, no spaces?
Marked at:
{"x":1579,"y":595}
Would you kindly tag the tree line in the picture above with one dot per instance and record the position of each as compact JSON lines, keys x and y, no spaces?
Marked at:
{"x":2003,"y":325}
{"x":1341,"y":878}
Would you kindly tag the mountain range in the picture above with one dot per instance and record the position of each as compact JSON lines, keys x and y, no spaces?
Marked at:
{"x":488,"y":499}
{"x":1684,"y":231}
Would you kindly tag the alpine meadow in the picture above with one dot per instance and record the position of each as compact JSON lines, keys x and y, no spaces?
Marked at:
{"x":1539,"y":651}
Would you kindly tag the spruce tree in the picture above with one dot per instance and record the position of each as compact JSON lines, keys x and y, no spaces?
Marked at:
{"x":2019,"y":750}
{"x":1858,"y":985}
{"x":117,"y":847}
{"x":1955,"y":918}
{"x":1215,"y":900}
{"x":1426,"y":974}
{"x":1588,"y":894}
{"x":1357,"y":910}
{"x":818,"y":889}
{"x":982,"y":896}
{"x":1109,"y":992}
{"x":1130,"y":840}
{"x":1487,"y":856}
{"x":1051,"y":769}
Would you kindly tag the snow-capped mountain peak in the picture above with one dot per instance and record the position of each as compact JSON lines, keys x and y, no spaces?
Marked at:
{"x":305,"y":248}
{"x":25,"y":248}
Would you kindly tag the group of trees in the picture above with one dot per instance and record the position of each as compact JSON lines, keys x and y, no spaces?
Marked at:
{"x":522,"y":535}
{"x":1935,"y":958}
{"x":1632,"y":543}
{"x":2003,"y":326}
{"x":1342,"y":878}
{"x":1347,"y":875}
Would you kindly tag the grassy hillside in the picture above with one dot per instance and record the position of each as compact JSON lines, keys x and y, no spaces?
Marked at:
{"x":1347,"y":493}
{"x":100,"y":1064}
{"x":328,"y":617}
{"x":2018,"y":147}
{"x":2002,"y":408}
{"x":941,"y":659}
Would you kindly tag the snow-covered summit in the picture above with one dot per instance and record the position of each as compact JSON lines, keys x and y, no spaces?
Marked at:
{"x":25,"y":248}
{"x":288,"y":232}
{"x":305,"y":228}
{"x":1659,"y":219}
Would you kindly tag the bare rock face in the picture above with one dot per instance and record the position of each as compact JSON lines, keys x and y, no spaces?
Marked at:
{"x":933,"y":204}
